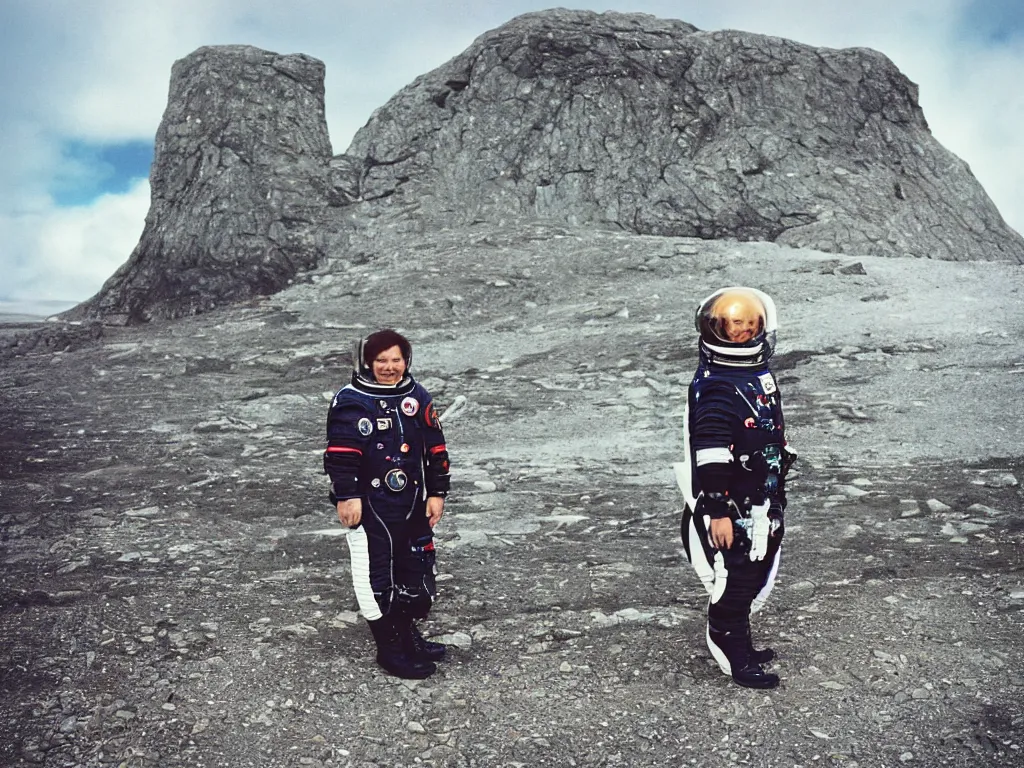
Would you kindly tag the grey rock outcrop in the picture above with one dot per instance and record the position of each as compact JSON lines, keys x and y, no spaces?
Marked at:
{"x":613,"y":120}
{"x":239,"y":187}
{"x":651,"y":125}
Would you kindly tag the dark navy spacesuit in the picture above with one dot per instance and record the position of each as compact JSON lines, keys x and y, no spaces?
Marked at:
{"x":736,"y":459}
{"x":385,"y":447}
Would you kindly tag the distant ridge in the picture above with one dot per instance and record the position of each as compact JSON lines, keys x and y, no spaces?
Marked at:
{"x":30,"y":311}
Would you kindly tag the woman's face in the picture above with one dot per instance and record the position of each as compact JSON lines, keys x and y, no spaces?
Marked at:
{"x":389,"y":366}
{"x":740,"y":329}
{"x":738,"y":315}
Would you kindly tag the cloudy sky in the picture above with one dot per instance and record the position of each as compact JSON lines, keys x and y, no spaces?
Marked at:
{"x":85,"y":86}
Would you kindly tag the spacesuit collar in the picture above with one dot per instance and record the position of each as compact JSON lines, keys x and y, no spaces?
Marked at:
{"x":370,"y":387}
{"x":733,"y":356}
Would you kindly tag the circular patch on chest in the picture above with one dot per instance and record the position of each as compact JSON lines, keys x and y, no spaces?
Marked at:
{"x":396,"y":479}
{"x":410,"y":406}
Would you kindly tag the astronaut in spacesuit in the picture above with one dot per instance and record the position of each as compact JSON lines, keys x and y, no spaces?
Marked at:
{"x":733,"y":474}
{"x":388,"y":463}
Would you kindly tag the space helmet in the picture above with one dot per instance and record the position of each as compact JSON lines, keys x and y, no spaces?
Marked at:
{"x":737,"y":327}
{"x":367,"y":349}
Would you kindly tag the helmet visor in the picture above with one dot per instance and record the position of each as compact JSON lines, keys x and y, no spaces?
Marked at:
{"x":737,"y":324}
{"x":733,"y":316}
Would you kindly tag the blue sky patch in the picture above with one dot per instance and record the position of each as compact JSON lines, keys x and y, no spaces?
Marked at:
{"x":93,"y":169}
{"x":996,"y":21}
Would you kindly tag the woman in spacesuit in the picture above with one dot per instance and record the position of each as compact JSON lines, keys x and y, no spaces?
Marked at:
{"x":388,"y":464}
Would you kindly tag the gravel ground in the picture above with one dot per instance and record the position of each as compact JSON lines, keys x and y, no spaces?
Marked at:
{"x":174,"y":590}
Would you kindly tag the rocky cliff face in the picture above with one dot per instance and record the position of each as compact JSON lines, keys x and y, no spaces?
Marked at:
{"x":658,"y":128}
{"x":622,"y":121}
{"x":239,"y":186}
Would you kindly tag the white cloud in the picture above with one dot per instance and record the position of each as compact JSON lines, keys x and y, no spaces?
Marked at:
{"x":73,"y":250}
{"x":112,"y":82}
{"x":975,"y":106}
{"x":30,"y":159}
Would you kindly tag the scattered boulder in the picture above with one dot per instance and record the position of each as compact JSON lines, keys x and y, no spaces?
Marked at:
{"x":48,"y":338}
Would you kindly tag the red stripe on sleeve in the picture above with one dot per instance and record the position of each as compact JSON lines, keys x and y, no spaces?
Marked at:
{"x":438,"y":448}
{"x":342,"y":449}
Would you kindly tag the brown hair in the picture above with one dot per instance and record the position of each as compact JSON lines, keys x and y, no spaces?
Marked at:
{"x":386,"y":339}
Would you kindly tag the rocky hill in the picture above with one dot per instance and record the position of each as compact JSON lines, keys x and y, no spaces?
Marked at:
{"x":620,"y":121}
{"x":653,"y":126}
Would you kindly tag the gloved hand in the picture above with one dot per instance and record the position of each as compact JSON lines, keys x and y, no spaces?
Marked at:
{"x":759,"y":531}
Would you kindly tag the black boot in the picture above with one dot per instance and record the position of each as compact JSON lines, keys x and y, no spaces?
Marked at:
{"x":731,"y":652}
{"x":418,"y":647}
{"x":391,"y":655}
{"x":762,"y":656}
